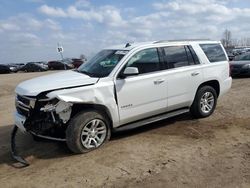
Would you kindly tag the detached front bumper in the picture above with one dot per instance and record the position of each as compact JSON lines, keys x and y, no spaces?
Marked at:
{"x":45,"y":119}
{"x":14,"y":153}
{"x":19,"y":121}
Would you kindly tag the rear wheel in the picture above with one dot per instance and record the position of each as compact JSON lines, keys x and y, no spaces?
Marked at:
{"x":87,"y":131}
{"x":204,"y":103}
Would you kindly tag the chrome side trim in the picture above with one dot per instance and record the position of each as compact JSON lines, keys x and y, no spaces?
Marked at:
{"x":32,"y":101}
{"x":22,"y":104}
{"x":19,"y":106}
{"x":29,"y":98}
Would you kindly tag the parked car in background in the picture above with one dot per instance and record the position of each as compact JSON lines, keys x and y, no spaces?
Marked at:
{"x":230,"y":55}
{"x":68,"y":62}
{"x":14,"y":67}
{"x":4,"y":69}
{"x":44,"y":64}
{"x":34,"y":67}
{"x":74,"y":62}
{"x":240,"y":66}
{"x":237,"y":51}
{"x":60,"y":65}
{"x":77,"y":62}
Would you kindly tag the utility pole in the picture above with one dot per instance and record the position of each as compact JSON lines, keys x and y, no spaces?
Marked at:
{"x":60,"y":50}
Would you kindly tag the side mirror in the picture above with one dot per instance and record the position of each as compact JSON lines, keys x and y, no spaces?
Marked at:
{"x":130,"y":71}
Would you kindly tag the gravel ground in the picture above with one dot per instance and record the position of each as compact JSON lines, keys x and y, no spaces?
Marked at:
{"x":178,"y":152}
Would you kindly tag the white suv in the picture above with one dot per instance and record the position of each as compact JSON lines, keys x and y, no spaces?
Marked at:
{"x":123,"y":87}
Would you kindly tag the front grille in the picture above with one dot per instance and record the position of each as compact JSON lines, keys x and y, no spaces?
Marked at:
{"x":24,"y":105}
{"x":23,"y":112}
{"x":24,"y":100}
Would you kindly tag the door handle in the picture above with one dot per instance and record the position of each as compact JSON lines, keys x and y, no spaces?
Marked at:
{"x":195,"y":73}
{"x":157,"y":82}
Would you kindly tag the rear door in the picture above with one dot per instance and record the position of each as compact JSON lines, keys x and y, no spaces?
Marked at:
{"x":183,"y":77}
{"x":145,"y":94}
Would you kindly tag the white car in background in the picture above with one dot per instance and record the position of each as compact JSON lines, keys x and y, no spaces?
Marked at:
{"x":123,"y":87}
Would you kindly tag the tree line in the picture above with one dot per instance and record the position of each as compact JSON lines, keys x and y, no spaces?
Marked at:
{"x":229,"y":42}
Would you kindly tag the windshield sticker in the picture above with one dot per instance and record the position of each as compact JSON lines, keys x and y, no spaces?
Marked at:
{"x":121,"y":52}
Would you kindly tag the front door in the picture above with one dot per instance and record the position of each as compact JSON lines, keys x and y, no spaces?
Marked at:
{"x":143,"y":95}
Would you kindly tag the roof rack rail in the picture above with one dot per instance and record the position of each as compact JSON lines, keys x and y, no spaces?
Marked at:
{"x":179,"y":40}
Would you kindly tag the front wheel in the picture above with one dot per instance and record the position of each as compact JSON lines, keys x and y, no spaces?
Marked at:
{"x":87,"y":131}
{"x":204,"y":103}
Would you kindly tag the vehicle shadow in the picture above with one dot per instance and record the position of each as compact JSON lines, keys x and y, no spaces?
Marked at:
{"x":30,"y":149}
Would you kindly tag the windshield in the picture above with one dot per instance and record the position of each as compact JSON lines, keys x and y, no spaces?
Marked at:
{"x":102,"y":63}
{"x":244,"y":57}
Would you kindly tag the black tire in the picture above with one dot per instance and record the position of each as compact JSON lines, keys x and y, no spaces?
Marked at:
{"x":196,"y":108}
{"x":78,"y":124}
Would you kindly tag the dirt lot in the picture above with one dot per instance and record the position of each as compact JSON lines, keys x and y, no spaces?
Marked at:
{"x":179,"y":152}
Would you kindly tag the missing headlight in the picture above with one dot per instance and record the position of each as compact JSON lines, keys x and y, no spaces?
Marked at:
{"x":61,"y":108}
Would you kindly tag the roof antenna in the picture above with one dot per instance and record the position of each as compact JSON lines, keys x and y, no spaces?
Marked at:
{"x":127,"y":45}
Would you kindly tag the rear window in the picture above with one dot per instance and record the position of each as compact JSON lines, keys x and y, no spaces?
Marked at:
{"x":214,"y":52}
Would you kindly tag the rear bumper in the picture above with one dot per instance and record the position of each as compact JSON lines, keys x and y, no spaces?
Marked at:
{"x":225,"y":86}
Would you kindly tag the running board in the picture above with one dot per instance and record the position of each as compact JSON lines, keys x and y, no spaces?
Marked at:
{"x":151,"y":120}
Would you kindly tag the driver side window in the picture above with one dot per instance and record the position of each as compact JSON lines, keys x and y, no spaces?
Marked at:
{"x":146,"y":61}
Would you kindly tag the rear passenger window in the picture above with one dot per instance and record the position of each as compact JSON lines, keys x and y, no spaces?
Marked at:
{"x":176,"y":56}
{"x":214,"y":52}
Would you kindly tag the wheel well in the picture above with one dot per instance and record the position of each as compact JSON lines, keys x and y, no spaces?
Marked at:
{"x":76,"y":108}
{"x":214,"y":84}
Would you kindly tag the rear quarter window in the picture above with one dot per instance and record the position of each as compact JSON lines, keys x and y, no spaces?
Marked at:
{"x":214,"y":52}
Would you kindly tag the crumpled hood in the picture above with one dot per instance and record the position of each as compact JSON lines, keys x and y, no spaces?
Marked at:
{"x":54,"y":81}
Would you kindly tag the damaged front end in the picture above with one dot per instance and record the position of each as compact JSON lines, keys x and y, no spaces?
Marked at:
{"x":42,"y":117}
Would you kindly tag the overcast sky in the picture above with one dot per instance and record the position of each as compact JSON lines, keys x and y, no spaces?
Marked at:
{"x":31,"y":29}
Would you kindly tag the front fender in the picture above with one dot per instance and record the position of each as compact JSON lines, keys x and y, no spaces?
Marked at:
{"x":99,"y":94}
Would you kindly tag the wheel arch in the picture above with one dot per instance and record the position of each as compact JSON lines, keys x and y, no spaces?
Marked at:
{"x":195,"y":107}
{"x":213,"y":83}
{"x":78,"y":107}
